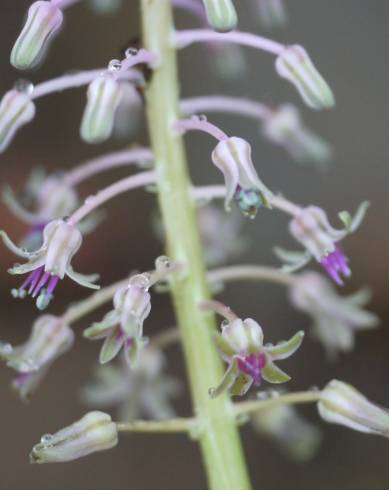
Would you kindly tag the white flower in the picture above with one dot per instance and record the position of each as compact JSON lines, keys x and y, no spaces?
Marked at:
{"x":94,"y":432}
{"x":295,"y":65}
{"x":233,"y":157}
{"x":43,"y":21}
{"x":342,"y":404}
{"x":50,"y":263}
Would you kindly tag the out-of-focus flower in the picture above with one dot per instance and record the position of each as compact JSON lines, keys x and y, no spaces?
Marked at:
{"x":50,"y":263}
{"x":340,"y":403}
{"x":221,"y":14}
{"x":312,"y":229}
{"x":93,"y":433}
{"x":221,"y":234}
{"x":295,"y":65}
{"x":43,"y":21}
{"x":233,"y":157}
{"x":285,"y":128}
{"x":298,"y":438}
{"x":272,"y":13}
{"x":103,"y":98}
{"x":241,"y":345}
{"x":50,"y":338}
{"x":123,"y":326}
{"x":143,"y":391}
{"x":16,"y":110}
{"x":105,"y":6}
{"x":128,"y":114}
{"x":336,"y":319}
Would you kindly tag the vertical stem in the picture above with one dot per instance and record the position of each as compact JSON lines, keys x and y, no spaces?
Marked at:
{"x":219,"y":437}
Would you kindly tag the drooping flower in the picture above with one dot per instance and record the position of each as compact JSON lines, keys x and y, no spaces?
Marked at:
{"x":336,"y":319}
{"x":297,"y":437}
{"x":50,"y":338}
{"x":122,"y":328}
{"x":249,"y":361}
{"x":143,"y":391}
{"x":103,"y":98}
{"x":43,"y":21}
{"x":285,"y":128}
{"x":233,"y":157}
{"x":221,"y":14}
{"x":94,"y":432}
{"x":50,"y":263}
{"x":340,"y":403}
{"x":16,"y":110}
{"x":295,"y":65}
{"x":312,"y":229}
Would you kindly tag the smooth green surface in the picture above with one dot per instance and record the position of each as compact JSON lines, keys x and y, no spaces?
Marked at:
{"x":218,"y":435}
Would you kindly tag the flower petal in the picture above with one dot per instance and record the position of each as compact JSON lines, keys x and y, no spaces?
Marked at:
{"x":14,"y":248}
{"x":111,"y":347}
{"x":10,"y":200}
{"x":227,"y":381}
{"x":83,"y":280}
{"x":285,"y":349}
{"x":273,"y":374}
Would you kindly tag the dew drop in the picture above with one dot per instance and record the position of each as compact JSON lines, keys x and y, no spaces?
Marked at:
{"x":224,"y":323}
{"x":114,"y":65}
{"x":163,"y":263}
{"x":202,"y":117}
{"x":46,"y":438}
{"x":5,"y":349}
{"x":131,"y":52}
{"x":141,"y":280}
{"x":24,"y":86}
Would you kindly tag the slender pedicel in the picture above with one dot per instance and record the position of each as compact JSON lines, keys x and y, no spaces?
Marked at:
{"x":64,"y":4}
{"x":82,"y":308}
{"x":210,"y":192}
{"x":79,"y":79}
{"x":219,"y":308}
{"x":106,"y":162}
{"x":252,"y":406}
{"x":200,"y":123}
{"x":250,"y":272}
{"x":169,"y":426}
{"x":92,"y":202}
{"x":183,"y":39}
{"x":225,"y":104}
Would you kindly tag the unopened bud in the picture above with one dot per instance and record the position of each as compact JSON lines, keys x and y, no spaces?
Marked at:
{"x":103,"y":98}
{"x":295,"y":65}
{"x":221,"y":14}
{"x":16,"y":110}
{"x":94,"y":432}
{"x":43,"y":21}
{"x":342,"y":404}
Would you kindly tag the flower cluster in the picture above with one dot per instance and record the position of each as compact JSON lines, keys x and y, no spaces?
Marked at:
{"x":240,"y":343}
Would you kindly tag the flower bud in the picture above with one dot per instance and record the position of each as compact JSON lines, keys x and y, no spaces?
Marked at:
{"x":49,"y":339}
{"x":94,"y":432}
{"x":105,"y":6}
{"x":295,"y":65}
{"x":233,"y":157}
{"x":342,"y":404}
{"x":285,"y":128}
{"x":43,"y":21}
{"x":221,"y":14}
{"x":272,"y":13}
{"x":103,"y":98}
{"x":16,"y":110}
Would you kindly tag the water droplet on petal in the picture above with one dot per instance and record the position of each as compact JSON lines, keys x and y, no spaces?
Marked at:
{"x":46,"y":438}
{"x":141,"y":280}
{"x":24,"y":86}
{"x":163,"y":263}
{"x":114,"y":65}
{"x":5,"y":349}
{"x":131,"y":52}
{"x":224,"y":323}
{"x":202,"y":117}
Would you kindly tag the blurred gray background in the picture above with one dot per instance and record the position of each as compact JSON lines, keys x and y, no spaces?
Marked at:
{"x":348,"y":41}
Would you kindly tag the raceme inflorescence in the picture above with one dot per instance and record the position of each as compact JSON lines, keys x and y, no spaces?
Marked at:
{"x":223,"y":363}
